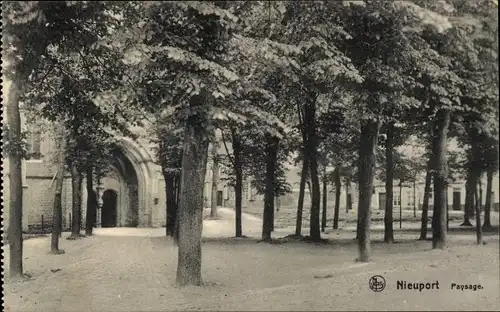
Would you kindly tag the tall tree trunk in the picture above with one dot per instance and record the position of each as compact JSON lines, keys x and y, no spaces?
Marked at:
{"x":414,"y":197}
{"x":447,"y":208}
{"x":15,"y":236}
{"x":469,"y":198}
{"x":170,"y":194}
{"x":441,"y":125}
{"x":177,"y":184}
{"x":325,"y":199}
{"x":190,"y":213}
{"x":91,"y":203}
{"x":348,"y":195}
{"x":238,"y":170}
{"x":480,"y":186}
{"x":76,"y":196}
{"x":215,"y":179}
{"x":389,"y":185}
{"x":177,"y":205}
{"x":238,"y":201}
{"x":479,"y":229}
{"x":271,"y":161}
{"x":175,"y":219}
{"x":57,"y":210}
{"x":400,"y":204}
{"x":312,"y":151}
{"x":425,"y":204}
{"x":304,"y":174}
{"x":300,"y":204}
{"x":275,"y":206}
{"x":367,"y":146}
{"x":338,"y":186}
{"x":314,"y":230}
{"x":475,"y":171}
{"x":487,"y":206}
{"x":17,"y":70}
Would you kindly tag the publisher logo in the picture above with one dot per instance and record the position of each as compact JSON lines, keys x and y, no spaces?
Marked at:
{"x":377,"y":283}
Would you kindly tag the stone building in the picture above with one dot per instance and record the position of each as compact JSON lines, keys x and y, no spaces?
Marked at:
{"x":132,"y":193}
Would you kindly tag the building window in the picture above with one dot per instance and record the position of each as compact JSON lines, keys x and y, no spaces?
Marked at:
{"x":397,"y":200}
{"x":33,"y":146}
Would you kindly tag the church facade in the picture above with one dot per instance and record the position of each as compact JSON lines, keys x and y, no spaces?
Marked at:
{"x":132,"y":194}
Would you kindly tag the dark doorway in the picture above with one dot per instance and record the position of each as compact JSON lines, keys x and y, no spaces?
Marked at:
{"x":381,"y":201}
{"x":219,"y":198}
{"x":108,"y":216}
{"x":456,"y":201}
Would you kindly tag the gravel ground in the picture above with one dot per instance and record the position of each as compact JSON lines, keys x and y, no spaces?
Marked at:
{"x":134,"y":270}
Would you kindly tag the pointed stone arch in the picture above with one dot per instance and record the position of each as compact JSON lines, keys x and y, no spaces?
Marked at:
{"x":141,"y":162}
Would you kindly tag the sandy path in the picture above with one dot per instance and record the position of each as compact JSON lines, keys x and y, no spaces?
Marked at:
{"x":224,"y":226}
{"x":125,"y":269}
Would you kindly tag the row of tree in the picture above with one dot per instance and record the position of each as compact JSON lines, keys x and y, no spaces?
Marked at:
{"x":325,"y":79}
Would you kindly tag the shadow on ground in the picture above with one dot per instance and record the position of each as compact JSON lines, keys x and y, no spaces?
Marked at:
{"x":125,"y":273}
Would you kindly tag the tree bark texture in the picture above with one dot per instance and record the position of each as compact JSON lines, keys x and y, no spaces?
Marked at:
{"x":480,"y":186}
{"x":17,"y":71}
{"x":389,"y":185}
{"x":238,"y":188}
{"x":325,"y":199}
{"x":312,"y":151}
{"x":57,"y":210}
{"x":400,"y":204}
{"x":479,"y":229}
{"x":488,"y":202}
{"x":368,"y":144}
{"x":91,"y":210}
{"x":178,"y":181}
{"x":469,"y":197}
{"x":348,"y":195}
{"x":302,"y":188}
{"x":414,"y":198}
{"x":447,"y":207}
{"x":271,"y":159}
{"x":425,"y":204}
{"x":338,"y":186}
{"x":76,"y":192}
{"x":190,"y":213}
{"x":170,"y":193}
{"x":215,"y":180}
{"x":14,"y":234}
{"x":470,"y":208}
{"x":440,"y":137}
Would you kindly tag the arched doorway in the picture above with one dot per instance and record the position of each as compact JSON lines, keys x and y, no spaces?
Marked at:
{"x":128,"y":211}
{"x":109,"y":202}
{"x":140,"y":179}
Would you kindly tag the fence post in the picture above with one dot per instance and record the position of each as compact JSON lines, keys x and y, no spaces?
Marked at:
{"x":42,"y":225}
